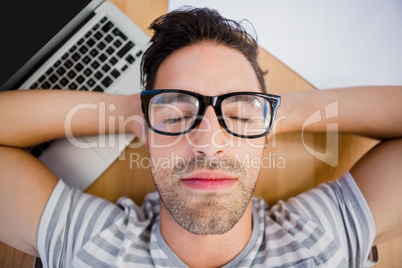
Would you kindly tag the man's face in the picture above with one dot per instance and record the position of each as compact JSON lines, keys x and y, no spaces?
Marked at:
{"x":206,"y":177}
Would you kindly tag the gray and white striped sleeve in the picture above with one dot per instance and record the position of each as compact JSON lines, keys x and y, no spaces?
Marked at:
{"x":69,"y":220}
{"x":339,"y":206}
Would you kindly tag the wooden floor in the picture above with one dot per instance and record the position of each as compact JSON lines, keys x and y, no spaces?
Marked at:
{"x":291,"y":169}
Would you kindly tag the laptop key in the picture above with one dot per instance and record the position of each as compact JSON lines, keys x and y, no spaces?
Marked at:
{"x":107,"y":81}
{"x":80,"y":79}
{"x":103,"y":20}
{"x":76,"y":56}
{"x":101,"y":45}
{"x":98,"y":75}
{"x":109,"y":38}
{"x":87,"y":72}
{"x":45,"y":85}
{"x":61,"y":71}
{"x":107,"y":27}
{"x":45,"y":145}
{"x":115,"y":73}
{"x":94,"y":52}
{"x":36,"y":151}
{"x":106,"y":68}
{"x":72,"y":86}
{"x":83,"y":49}
{"x":130,"y":59}
{"x":98,"y":89}
{"x":71,"y":74}
{"x":117,"y":43}
{"x":113,"y":60}
{"x":86,"y":59}
{"x":110,"y":50}
{"x":49,"y":71}
{"x":102,"y":57}
{"x":64,"y":82}
{"x":53,"y":78}
{"x":57,"y":64}
{"x":34,"y":86}
{"x":68,"y":64}
{"x":117,"y":32}
{"x":79,"y":67}
{"x":125,"y":49}
{"x":95,"y":65}
{"x":98,"y":35}
{"x":91,"y":82}
{"x":90,"y":42}
{"x":42,"y":78}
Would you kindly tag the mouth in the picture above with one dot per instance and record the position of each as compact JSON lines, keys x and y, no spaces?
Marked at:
{"x":209,"y":181}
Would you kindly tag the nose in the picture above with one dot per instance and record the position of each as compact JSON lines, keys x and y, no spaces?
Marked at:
{"x":209,"y":139}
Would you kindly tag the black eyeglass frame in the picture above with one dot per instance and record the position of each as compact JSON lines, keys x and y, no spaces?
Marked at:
{"x":205,"y":101}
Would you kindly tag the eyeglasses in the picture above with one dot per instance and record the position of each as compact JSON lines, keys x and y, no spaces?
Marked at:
{"x":242,"y":114}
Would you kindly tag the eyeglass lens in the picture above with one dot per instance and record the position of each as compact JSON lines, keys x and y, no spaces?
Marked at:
{"x":246,"y":114}
{"x":241,"y":114}
{"x":173,"y":112}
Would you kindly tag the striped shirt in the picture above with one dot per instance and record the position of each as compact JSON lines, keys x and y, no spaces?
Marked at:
{"x":329,"y":226}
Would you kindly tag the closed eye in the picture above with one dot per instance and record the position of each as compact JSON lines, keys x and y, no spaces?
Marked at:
{"x":240,"y":119}
{"x":177,"y":120}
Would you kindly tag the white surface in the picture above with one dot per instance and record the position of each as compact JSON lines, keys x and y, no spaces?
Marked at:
{"x":331,"y":43}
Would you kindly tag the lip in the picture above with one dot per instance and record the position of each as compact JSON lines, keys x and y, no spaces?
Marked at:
{"x":209,"y":181}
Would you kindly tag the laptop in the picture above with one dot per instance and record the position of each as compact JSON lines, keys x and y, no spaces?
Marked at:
{"x":72,"y":45}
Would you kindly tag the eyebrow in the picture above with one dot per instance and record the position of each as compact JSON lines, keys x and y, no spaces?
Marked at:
{"x":169,"y":98}
{"x":238,"y":98}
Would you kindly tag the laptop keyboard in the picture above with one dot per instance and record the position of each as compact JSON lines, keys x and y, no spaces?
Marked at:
{"x":92,"y":64}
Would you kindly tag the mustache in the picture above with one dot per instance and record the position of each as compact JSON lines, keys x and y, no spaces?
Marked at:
{"x":209,"y":163}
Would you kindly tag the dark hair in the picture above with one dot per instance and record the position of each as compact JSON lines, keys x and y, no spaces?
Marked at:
{"x":189,"y":26}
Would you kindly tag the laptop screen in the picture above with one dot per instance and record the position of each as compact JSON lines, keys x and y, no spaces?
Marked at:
{"x":26,"y":26}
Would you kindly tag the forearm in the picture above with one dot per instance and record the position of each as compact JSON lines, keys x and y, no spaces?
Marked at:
{"x":369,"y":111}
{"x":32,"y":117}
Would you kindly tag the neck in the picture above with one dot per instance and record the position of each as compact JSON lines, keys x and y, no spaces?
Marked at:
{"x":206,"y":250}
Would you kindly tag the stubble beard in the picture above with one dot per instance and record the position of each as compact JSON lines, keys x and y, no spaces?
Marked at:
{"x":209,"y":213}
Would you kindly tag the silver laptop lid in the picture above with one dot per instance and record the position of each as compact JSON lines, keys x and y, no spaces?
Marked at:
{"x":33,"y":31}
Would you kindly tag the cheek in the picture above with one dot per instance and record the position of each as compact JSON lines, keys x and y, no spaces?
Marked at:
{"x":250,"y":153}
{"x":166,"y":146}
{"x":157,"y":141}
{"x":252,"y":147}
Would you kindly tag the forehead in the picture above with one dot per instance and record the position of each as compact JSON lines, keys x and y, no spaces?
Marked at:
{"x":208,"y":69}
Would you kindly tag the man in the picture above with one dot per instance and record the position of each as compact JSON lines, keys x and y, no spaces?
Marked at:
{"x":206,"y":111}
